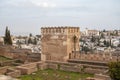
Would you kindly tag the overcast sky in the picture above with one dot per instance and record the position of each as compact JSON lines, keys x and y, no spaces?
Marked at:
{"x":28,"y":16}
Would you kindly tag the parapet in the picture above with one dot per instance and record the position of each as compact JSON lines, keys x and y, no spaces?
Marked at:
{"x":66,"y":29}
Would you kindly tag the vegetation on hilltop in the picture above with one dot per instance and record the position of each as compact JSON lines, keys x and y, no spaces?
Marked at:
{"x":114,"y":70}
{"x":7,"y":38}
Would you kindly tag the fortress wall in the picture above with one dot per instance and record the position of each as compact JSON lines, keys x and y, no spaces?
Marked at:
{"x":57,"y":42}
{"x":94,"y":57}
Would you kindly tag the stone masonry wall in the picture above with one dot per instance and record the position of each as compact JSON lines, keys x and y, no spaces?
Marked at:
{"x":3,"y":70}
{"x":65,"y":66}
{"x":27,"y":68}
{"x":104,"y":57}
{"x":13,"y":73}
{"x":70,"y":68}
{"x":58,"y":42}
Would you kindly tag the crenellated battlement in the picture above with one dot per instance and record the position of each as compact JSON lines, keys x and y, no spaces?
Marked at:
{"x":66,"y":29}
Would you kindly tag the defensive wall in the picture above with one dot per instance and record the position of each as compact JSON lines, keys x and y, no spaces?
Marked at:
{"x":58,"y":42}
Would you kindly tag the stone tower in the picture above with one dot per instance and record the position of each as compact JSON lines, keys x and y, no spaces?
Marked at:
{"x":58,"y":42}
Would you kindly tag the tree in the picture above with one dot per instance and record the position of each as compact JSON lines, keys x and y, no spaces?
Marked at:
{"x":30,"y":35}
{"x":35,"y":41}
{"x":104,"y":30}
{"x":102,"y":35}
{"x":30,"y":41}
{"x":85,"y":49}
{"x":93,"y":39}
{"x":107,"y":43}
{"x":7,"y":38}
{"x":98,"y":40}
{"x":118,"y":45}
{"x":114,"y":70}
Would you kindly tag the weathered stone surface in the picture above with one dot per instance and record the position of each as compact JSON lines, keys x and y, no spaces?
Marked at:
{"x":93,"y":71}
{"x":70,"y":68}
{"x":52,"y":66}
{"x":3,"y":70}
{"x":58,"y":42}
{"x":42,"y":65}
{"x":14,"y":73}
{"x":4,"y":77}
{"x":102,"y":77}
{"x":27,"y":68}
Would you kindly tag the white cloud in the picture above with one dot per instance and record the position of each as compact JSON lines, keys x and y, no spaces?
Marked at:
{"x":28,"y":3}
{"x":22,"y":13}
{"x":44,"y":4}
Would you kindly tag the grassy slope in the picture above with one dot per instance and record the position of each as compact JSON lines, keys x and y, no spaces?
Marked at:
{"x":49,"y":74}
{"x":2,"y":59}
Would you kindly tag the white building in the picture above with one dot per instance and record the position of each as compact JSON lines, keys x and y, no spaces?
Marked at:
{"x":1,"y":40}
{"x":91,"y":32}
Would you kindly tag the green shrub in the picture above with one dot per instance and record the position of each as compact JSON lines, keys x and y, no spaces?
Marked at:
{"x":114,"y":70}
{"x":58,"y":66}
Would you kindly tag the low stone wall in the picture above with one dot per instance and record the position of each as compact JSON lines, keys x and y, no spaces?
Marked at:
{"x":3,"y":70}
{"x":103,"y":57}
{"x":93,"y":71}
{"x":27,"y":68}
{"x":61,"y":63}
{"x":89,"y":78}
{"x":90,"y":64}
{"x":32,"y":67}
{"x":23,"y":71}
{"x":45,"y":65}
{"x":102,"y":77}
{"x":42,"y":66}
{"x":5,"y":51}
{"x":13,"y":73}
{"x":70,"y":68}
{"x":65,"y":66}
{"x":52,"y":66}
{"x":7,"y":63}
{"x":77,"y":67}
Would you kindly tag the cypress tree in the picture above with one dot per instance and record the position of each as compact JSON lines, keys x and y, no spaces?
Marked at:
{"x":10,"y":40}
{"x":7,"y":38}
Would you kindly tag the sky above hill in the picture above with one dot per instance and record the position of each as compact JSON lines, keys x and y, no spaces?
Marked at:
{"x":28,"y":16}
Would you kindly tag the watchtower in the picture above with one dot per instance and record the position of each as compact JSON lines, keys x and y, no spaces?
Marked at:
{"x":58,"y":42}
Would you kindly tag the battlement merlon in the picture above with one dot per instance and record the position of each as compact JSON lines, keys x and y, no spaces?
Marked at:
{"x":48,"y":30}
